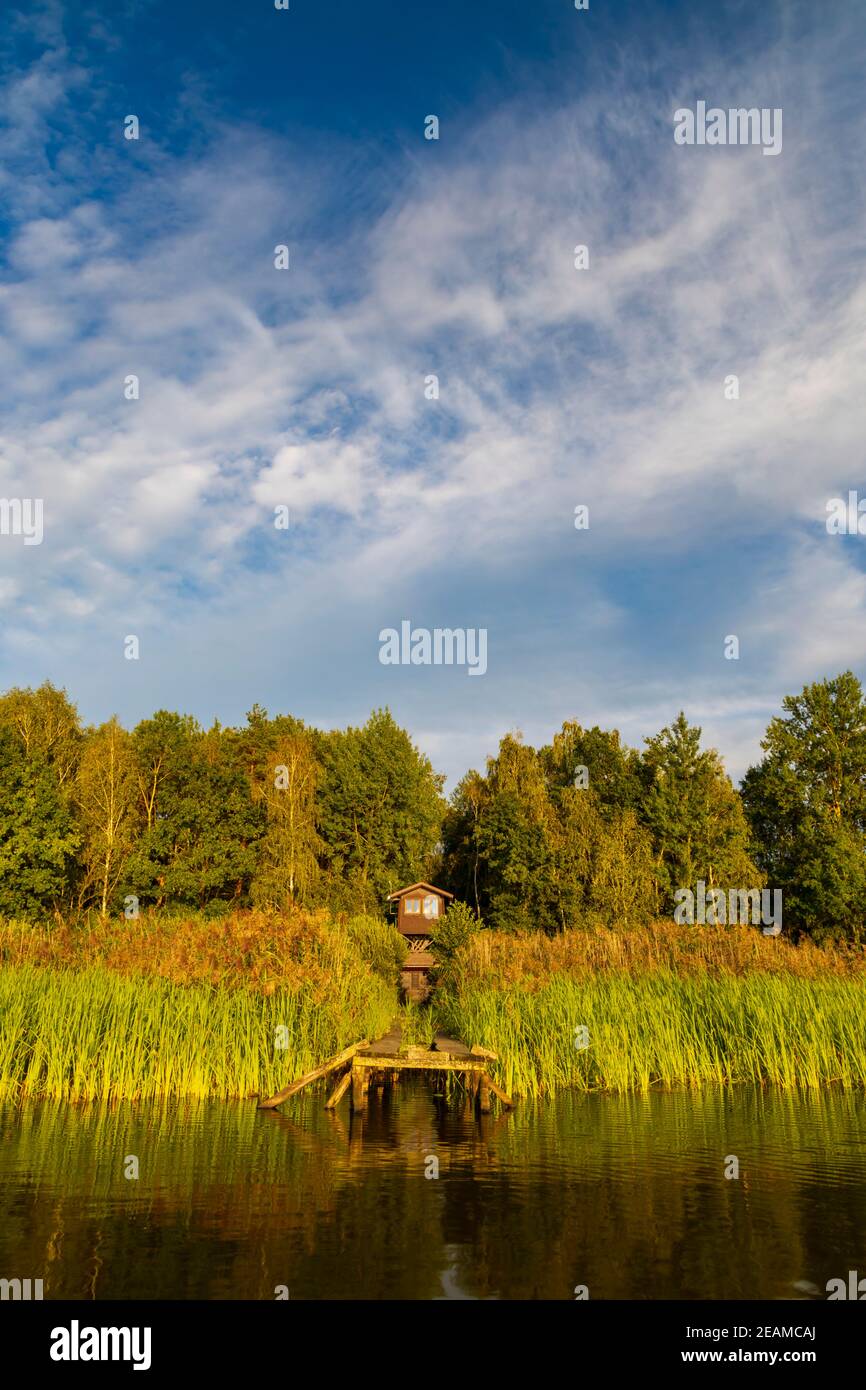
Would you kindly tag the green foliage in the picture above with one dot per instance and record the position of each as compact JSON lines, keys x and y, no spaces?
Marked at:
{"x":616,"y":779}
{"x":38,"y":838}
{"x":203,"y":828}
{"x":47,"y":725}
{"x":623,"y":886}
{"x":379,"y":944}
{"x":288,"y":862}
{"x":806,"y":804}
{"x":417,"y":1024}
{"x":694,"y":815}
{"x":448,"y":936}
{"x":660,"y":1030}
{"x":538,"y":843}
{"x":581,"y":831}
{"x":104,"y":793}
{"x":380,"y":811}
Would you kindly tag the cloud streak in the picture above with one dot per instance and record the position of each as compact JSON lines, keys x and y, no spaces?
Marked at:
{"x":556,"y":387}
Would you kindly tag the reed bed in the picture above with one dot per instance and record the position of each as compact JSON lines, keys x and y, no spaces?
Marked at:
{"x":417,"y":1024}
{"x":183,"y":1007}
{"x":93,"y":1034}
{"x":178,"y":1006}
{"x":791,"y":1017}
{"x":526,"y":957}
{"x":248,"y":949}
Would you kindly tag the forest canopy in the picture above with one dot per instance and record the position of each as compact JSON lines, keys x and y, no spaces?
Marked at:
{"x":582,"y":831}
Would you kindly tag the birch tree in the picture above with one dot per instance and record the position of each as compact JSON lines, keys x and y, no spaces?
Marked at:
{"x":106,"y":793}
{"x":288,"y":863}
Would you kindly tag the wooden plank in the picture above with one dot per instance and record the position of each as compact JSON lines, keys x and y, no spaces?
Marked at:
{"x":477,"y":1051}
{"x":339,"y":1090}
{"x":451,"y":1046}
{"x":345,"y":1056}
{"x":429,"y":1061}
{"x":387,"y":1046}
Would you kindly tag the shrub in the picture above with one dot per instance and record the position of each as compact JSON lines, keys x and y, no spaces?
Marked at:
{"x":450,"y":935}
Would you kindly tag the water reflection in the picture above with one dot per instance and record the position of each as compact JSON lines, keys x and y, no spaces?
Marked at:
{"x":624,"y":1194}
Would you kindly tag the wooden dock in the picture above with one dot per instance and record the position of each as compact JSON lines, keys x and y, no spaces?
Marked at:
{"x":366,"y":1066}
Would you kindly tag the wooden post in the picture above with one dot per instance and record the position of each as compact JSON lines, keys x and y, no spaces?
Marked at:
{"x":469,"y":1102}
{"x":360,"y":1085}
{"x":484,"y":1094}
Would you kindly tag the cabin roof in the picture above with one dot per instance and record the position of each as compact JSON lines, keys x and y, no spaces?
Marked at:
{"x":413,"y":888}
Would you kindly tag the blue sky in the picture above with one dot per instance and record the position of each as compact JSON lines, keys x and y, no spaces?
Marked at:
{"x":558,"y":387}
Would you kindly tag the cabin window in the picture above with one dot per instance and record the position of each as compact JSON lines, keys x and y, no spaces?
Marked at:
{"x":412,"y":906}
{"x":431,"y":905}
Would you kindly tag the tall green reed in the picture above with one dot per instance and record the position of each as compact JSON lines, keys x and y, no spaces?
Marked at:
{"x":659,"y":1029}
{"x":93,"y":1034}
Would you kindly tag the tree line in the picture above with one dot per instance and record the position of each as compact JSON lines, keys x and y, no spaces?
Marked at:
{"x":583,"y":830}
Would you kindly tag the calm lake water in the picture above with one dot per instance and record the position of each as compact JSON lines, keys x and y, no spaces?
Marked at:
{"x":625,"y":1195}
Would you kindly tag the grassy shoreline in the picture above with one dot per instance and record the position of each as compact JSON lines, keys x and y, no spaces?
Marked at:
{"x":173,"y":1006}
{"x":196,"y":1008}
{"x":661,"y":1030}
{"x":95,"y":1035}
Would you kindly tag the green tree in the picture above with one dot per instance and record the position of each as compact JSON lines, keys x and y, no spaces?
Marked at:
{"x":515,"y":841}
{"x":806,"y":805}
{"x":448,"y":937}
{"x":463,"y":869}
{"x":163,"y":746}
{"x":613,"y":772}
{"x":47,"y":724}
{"x":694,"y":815}
{"x":200,"y":843}
{"x":539,"y":847}
{"x":623,"y":886}
{"x":255,"y":745}
{"x":575,"y":830}
{"x":38,"y":838}
{"x":380,"y":812}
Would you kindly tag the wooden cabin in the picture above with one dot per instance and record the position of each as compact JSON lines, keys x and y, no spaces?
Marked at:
{"x":417,"y":908}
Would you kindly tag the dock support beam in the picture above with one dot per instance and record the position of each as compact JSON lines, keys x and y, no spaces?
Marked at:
{"x":484,"y":1095}
{"x":380,"y":1067}
{"x":360,"y":1084}
{"x":339,"y":1090}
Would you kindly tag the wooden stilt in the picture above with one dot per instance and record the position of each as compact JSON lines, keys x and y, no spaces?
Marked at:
{"x":469,"y":1101}
{"x":313,"y":1075}
{"x":339,"y":1090}
{"x":484,"y":1094}
{"x":380,"y":1064}
{"x":498,"y":1092}
{"x":360,"y":1084}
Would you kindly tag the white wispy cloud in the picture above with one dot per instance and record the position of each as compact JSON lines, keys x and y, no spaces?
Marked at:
{"x":259,"y":387}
